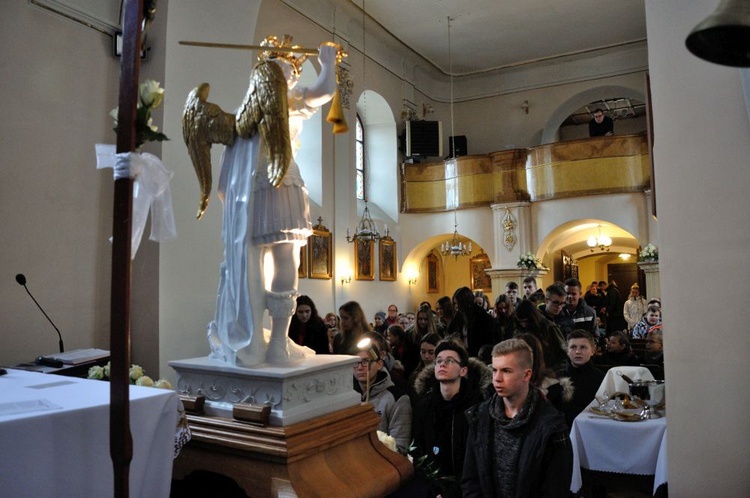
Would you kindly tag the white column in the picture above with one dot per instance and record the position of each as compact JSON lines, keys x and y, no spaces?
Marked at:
{"x":653,"y":286}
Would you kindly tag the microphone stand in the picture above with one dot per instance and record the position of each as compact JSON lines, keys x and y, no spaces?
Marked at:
{"x":22,"y":280}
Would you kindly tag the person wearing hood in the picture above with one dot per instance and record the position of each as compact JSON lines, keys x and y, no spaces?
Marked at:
{"x":392,"y":404}
{"x":445,"y":390}
{"x":379,"y":324}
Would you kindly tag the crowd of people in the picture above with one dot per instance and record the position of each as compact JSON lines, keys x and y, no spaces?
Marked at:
{"x":483,"y":397}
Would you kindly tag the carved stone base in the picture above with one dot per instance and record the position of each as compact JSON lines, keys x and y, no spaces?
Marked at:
{"x":309,"y":388}
{"x":500,"y":277}
{"x":338,"y":454}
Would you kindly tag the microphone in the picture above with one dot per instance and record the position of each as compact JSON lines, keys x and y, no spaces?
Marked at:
{"x":21,"y":279}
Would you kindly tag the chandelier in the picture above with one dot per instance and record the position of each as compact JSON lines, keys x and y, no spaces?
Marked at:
{"x":602,"y":242}
{"x":366,"y":229}
{"x":455,"y":247}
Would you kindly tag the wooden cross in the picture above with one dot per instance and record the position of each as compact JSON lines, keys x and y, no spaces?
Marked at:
{"x":120,"y":439}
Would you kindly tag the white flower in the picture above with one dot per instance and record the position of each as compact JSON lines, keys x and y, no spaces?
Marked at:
{"x":145,"y":381}
{"x":388,"y":441}
{"x":151,"y":94}
{"x":106,"y":369}
{"x":96,"y":372}
{"x":136,"y":372}
{"x":163,"y":384}
{"x":649,"y":252}
{"x":529,"y":261}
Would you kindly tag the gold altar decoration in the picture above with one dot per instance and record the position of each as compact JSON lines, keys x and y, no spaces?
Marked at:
{"x":509,"y":226}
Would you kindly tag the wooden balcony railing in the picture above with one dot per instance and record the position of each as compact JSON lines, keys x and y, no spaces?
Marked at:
{"x":564,"y":169}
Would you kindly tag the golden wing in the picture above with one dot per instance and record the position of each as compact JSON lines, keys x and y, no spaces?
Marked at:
{"x":265,"y":110}
{"x":203,"y":124}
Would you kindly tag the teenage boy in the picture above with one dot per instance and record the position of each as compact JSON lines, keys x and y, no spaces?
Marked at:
{"x":390,"y":402}
{"x":518,"y":444}
{"x":446,"y":389}
{"x":580,"y":370}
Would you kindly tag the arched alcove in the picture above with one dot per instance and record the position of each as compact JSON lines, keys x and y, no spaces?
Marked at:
{"x":571,"y":238}
{"x":381,"y":146}
{"x":551,"y":127}
{"x":452,"y":272}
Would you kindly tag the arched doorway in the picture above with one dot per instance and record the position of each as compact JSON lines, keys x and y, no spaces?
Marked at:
{"x":434,"y":275}
{"x":566,"y":251}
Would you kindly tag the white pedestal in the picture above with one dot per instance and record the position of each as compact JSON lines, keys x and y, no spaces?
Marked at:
{"x":303,"y":390}
{"x":653,"y":283}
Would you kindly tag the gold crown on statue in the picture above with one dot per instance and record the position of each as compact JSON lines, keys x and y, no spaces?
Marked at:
{"x":286,"y":42}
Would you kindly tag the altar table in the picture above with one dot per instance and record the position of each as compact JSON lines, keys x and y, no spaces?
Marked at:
{"x":64,"y":451}
{"x":607,"y":445}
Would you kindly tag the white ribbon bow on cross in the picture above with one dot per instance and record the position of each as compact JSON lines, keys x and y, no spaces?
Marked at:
{"x":150,"y":190}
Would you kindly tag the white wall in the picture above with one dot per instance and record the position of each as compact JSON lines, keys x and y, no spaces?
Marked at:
{"x":59,"y":82}
{"x":702,"y":138}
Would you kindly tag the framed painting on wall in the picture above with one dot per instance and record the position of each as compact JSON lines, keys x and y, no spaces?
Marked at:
{"x":433,"y":286}
{"x":320,"y":252}
{"x":387,"y":257}
{"x":364,"y":268}
{"x":479,"y":278}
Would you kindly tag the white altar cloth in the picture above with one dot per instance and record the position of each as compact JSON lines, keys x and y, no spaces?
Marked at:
{"x":64,"y":451}
{"x":623,"y":447}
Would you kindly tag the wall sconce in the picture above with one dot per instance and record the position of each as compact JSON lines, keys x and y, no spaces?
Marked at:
{"x":411,"y":273}
{"x":346,"y":279}
{"x":525,"y":106}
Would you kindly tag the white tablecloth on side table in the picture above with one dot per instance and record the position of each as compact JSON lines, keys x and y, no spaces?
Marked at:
{"x":623,"y":447}
{"x":64,"y":452}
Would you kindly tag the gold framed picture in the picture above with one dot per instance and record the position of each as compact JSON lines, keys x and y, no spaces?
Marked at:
{"x":433,"y":286}
{"x":320,"y":252}
{"x":388,"y":259}
{"x":479,"y":278}
{"x":302,"y":268}
{"x":364,"y":252}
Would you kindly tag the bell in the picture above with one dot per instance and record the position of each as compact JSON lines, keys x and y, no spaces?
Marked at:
{"x":724,"y":36}
{"x":336,"y":116}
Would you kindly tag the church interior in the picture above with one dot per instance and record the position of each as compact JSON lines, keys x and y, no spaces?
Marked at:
{"x":528,"y":179}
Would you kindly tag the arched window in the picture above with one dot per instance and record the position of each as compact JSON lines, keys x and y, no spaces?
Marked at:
{"x":360,"y":161}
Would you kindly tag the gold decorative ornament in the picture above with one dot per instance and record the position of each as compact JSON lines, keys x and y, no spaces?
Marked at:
{"x":264,"y":109}
{"x":509,"y":225}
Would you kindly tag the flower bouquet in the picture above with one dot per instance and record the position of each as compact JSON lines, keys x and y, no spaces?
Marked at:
{"x":150,"y":96}
{"x":136,"y":374}
{"x":649,"y":254}
{"x":529,"y":261}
